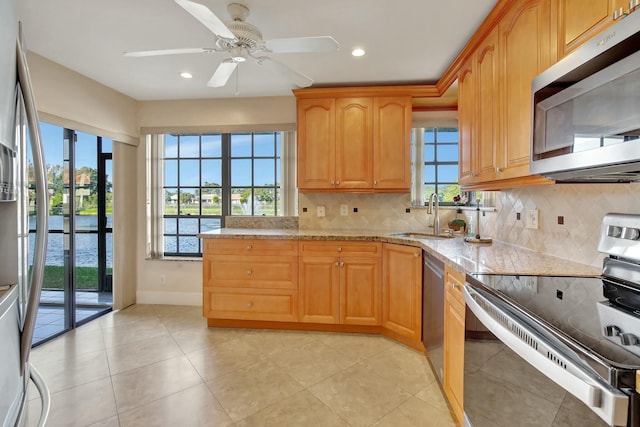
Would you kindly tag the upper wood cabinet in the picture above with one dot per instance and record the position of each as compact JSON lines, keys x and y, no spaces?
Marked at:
{"x":354,"y":151}
{"x":354,"y":143}
{"x":494,"y":87}
{"x":579,"y":20}
{"x":392,"y":143}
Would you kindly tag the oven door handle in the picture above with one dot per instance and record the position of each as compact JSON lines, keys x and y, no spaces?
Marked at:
{"x":607,"y":402}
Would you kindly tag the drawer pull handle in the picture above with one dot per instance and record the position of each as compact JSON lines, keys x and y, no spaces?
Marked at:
{"x":250,"y":304}
{"x":249,"y":272}
{"x":249,"y":247}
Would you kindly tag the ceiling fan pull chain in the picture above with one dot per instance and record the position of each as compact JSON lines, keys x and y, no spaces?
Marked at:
{"x":237,"y":79}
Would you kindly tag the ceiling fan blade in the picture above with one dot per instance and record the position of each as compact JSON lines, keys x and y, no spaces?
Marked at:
{"x":298,"y":79}
{"x":142,"y":53}
{"x":222,"y":74}
{"x":303,"y":44}
{"x":203,"y":14}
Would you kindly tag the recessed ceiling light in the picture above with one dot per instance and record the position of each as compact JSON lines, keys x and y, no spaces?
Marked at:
{"x":185,"y":75}
{"x":357,"y":52}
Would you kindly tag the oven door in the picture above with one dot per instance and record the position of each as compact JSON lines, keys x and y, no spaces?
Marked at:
{"x":527,"y":377}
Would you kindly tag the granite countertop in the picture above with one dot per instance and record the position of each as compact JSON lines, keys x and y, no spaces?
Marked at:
{"x":497,"y":257}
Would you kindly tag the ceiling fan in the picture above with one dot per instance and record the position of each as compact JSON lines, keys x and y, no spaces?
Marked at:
{"x":242,"y":41}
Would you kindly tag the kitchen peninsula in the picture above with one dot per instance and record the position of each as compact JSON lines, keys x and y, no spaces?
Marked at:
{"x":256,"y":271}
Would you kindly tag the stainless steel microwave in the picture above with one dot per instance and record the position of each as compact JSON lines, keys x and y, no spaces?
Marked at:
{"x":586,"y":110}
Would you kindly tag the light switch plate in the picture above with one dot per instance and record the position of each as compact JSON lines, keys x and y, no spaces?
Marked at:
{"x":344,"y":210}
{"x":532,"y":219}
{"x":320,"y":211}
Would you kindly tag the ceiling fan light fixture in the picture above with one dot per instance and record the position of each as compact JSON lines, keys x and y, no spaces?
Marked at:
{"x":239,"y":54}
{"x":358,"y":52}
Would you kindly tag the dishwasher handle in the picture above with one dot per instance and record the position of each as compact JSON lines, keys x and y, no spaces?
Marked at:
{"x":607,"y":402}
{"x":436,"y":269}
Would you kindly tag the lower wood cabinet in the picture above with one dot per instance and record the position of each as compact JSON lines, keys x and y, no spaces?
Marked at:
{"x":454,"y":330}
{"x":250,"y":279}
{"x":340,"y":283}
{"x":402,"y":290}
{"x":351,"y":286}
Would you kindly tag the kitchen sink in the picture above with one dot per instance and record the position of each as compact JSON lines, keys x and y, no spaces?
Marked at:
{"x":419,"y":235}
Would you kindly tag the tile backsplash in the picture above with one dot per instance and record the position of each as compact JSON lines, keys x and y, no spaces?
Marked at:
{"x":581,"y":206}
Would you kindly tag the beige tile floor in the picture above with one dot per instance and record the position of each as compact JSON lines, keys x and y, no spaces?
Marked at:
{"x":156,"y":365}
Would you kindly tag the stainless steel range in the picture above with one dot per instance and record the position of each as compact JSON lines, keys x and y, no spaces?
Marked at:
{"x":561,"y":351}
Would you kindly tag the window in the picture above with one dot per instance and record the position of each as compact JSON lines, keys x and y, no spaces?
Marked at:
{"x":202,"y":178}
{"x":435,"y":164}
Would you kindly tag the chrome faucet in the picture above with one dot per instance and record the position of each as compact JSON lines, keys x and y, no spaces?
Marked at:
{"x":435,"y":211}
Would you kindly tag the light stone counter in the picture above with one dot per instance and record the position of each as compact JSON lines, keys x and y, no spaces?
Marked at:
{"x":498,"y":258}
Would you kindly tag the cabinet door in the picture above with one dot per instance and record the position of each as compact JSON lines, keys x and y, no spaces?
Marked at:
{"x":354,"y":135}
{"x":316,"y":143}
{"x":360,"y":293}
{"x":319,"y":285}
{"x":402,"y":290}
{"x":525,"y":52}
{"x":579,"y":21}
{"x":467,"y":99}
{"x":392,"y":143}
{"x":487,"y":123}
{"x":454,"y":330}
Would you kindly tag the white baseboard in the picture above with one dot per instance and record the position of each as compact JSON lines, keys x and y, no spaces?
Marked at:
{"x":169,"y":298}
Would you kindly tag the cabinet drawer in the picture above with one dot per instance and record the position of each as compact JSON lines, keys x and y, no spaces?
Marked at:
{"x":453,"y":285}
{"x":269,"y":272}
{"x":250,"y":247}
{"x":251,"y":304}
{"x":340,"y":248}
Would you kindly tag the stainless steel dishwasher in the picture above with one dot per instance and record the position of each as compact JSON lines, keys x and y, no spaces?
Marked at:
{"x":433,"y":312}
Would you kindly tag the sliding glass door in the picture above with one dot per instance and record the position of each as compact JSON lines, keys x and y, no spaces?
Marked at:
{"x":77,"y":282}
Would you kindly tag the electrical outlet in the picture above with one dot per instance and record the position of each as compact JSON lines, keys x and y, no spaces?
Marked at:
{"x":344,"y":210}
{"x":320,"y":211}
{"x":532,"y":219}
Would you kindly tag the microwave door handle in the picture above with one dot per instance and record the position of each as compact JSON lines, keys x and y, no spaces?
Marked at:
{"x":42,"y":206}
{"x":607,"y":402}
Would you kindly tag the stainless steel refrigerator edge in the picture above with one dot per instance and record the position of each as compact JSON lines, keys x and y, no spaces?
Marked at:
{"x":19,"y":293}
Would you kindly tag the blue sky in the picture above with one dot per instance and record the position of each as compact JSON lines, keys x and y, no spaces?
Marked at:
{"x":52,"y":137}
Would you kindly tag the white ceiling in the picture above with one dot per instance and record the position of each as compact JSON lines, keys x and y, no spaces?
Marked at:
{"x":407,"y":42}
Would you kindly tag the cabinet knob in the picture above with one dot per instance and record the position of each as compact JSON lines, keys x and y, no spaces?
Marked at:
{"x":337,"y":182}
{"x":341,"y":263}
{"x":633,"y":4}
{"x":249,"y":272}
{"x":498,"y":169}
{"x":249,"y":247}
{"x":416,"y":254}
{"x":473,"y":174}
{"x":375,"y":181}
{"x":337,"y":264}
{"x":339,"y":249}
{"x":250,"y":304}
{"x":333,"y":183}
{"x":454,"y":286}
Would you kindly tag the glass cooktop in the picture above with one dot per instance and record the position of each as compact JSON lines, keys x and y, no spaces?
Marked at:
{"x":576,"y":306}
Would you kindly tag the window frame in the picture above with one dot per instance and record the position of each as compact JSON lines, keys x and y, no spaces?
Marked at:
{"x":284,"y":179}
{"x":419,"y":197}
